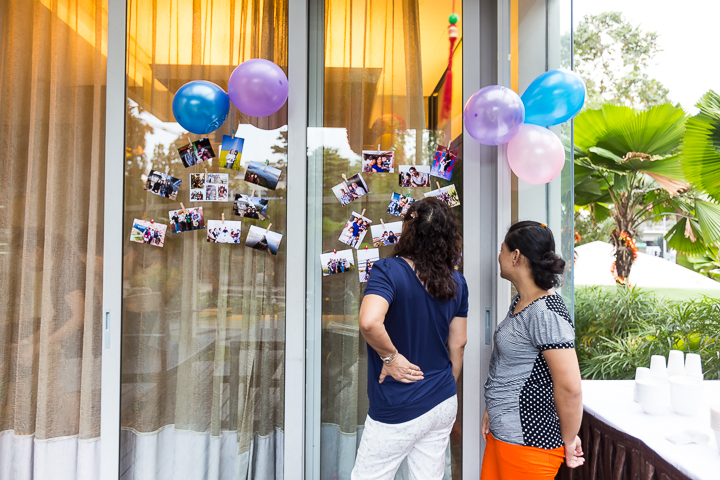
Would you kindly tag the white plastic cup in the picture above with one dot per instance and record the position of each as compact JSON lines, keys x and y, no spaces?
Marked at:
{"x":657,"y":367}
{"x":653,"y":395}
{"x":715,"y":418}
{"x":640,"y":374}
{"x":693,"y":366}
{"x":676,"y":363}
{"x":686,"y":394}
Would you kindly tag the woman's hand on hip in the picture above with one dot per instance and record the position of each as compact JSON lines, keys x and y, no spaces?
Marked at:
{"x":574,"y":454}
{"x":485,"y":426}
{"x":401,"y":370}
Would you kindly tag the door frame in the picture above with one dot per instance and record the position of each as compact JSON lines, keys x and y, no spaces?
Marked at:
{"x":113,"y":240}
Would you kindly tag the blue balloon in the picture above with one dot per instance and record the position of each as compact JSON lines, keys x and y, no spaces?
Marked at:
{"x":553,"y":98}
{"x":200,"y":106}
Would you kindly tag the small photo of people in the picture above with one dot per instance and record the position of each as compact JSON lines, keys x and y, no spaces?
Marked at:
{"x":148,"y":232}
{"x":355,"y":230}
{"x":230,"y":152}
{"x":250,"y":206}
{"x":350,"y":190}
{"x":447,"y":194}
{"x":187,"y":155}
{"x":263,"y":239}
{"x":162,"y":184}
{"x":414,"y":176}
{"x":366,"y":260}
{"x":197,"y":152}
{"x":187,"y":220}
{"x":210,"y":187}
{"x":262,"y":174}
{"x":378,"y":161}
{"x":333,"y":263}
{"x":399,"y":204}
{"x":204,"y":149}
{"x":219,"y":231}
{"x":444,"y":162}
{"x":386,"y":234}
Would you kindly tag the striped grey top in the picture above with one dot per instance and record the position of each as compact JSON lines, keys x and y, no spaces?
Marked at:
{"x":519,"y":388}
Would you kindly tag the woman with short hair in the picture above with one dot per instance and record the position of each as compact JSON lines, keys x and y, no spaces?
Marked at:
{"x":532,"y":393}
{"x":414,"y":317}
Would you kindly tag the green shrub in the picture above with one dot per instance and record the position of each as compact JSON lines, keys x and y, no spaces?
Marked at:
{"x":619,"y":329}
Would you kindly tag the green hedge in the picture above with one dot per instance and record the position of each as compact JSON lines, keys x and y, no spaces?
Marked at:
{"x":619,"y":329}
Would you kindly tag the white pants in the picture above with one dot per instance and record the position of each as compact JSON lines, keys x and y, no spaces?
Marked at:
{"x":422,"y":440}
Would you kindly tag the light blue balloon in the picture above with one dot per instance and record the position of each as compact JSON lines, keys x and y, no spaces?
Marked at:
{"x":200,"y":107}
{"x":553,"y":98}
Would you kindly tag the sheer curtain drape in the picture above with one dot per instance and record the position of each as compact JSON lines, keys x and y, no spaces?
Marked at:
{"x":203,"y":323}
{"x":52,"y":125}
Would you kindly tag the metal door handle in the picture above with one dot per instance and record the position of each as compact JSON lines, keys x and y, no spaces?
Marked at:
{"x":488,"y":333}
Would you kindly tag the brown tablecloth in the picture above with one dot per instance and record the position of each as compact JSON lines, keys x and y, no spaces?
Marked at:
{"x":613,"y":455}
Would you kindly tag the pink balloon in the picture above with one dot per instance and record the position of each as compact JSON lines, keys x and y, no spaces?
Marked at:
{"x":536,"y":154}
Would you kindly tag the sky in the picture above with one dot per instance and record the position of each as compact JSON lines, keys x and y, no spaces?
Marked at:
{"x":688,"y":35}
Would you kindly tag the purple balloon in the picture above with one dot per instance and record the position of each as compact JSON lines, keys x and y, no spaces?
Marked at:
{"x":258,"y":87}
{"x":493,"y":115}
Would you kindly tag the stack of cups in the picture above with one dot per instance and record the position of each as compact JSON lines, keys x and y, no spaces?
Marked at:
{"x":686,"y":394}
{"x":641,"y":373}
{"x":676,"y":363}
{"x":657,"y":367}
{"x":653,"y":393}
{"x":693,"y":366}
{"x":715,"y":423}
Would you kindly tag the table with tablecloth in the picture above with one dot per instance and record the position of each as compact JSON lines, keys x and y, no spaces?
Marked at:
{"x":622,"y":442}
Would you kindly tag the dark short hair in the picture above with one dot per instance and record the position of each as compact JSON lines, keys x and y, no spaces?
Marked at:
{"x":536,"y":243}
{"x":431,"y":239}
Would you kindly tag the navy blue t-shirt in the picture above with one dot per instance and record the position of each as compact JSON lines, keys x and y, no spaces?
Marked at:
{"x":418,"y":325}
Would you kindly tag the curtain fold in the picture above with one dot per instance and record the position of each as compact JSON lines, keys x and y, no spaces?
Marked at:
{"x":203,"y":323}
{"x":52,"y":125}
{"x":52,"y":83}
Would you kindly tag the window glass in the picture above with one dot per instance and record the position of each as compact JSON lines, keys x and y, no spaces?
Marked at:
{"x":203,"y":322}
{"x":384,"y":72}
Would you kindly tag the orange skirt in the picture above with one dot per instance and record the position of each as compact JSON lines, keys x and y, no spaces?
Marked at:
{"x":505,"y":461}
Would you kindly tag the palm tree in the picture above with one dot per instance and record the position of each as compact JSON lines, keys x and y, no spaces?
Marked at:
{"x":628,"y":167}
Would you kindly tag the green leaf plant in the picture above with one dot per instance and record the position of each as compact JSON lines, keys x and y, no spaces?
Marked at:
{"x":619,"y":329}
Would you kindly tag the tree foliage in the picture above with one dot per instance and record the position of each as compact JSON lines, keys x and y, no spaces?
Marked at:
{"x":613,"y":56}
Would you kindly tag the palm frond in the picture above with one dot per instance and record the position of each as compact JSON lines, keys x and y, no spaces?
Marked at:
{"x":619,"y":129}
{"x":708,"y":215}
{"x":678,"y":240}
{"x":670,"y":167}
{"x":701,"y":147}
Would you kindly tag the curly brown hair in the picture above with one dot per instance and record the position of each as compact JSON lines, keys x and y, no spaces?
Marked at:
{"x":431,"y":239}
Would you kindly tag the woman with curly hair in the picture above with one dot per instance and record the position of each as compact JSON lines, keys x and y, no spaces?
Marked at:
{"x":532,"y":393}
{"x":414,"y":318}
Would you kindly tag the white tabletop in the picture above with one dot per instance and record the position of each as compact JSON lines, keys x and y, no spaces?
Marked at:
{"x":611,"y":401}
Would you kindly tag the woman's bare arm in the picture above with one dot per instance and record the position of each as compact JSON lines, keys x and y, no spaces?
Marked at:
{"x":565,"y":371}
{"x":372,"y":328}
{"x":456,"y":344}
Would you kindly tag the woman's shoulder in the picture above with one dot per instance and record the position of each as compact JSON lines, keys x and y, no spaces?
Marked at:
{"x":459,"y":277}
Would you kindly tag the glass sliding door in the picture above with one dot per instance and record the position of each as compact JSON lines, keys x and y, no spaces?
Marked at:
{"x":541,"y":34}
{"x":378,"y":72}
{"x":203,"y":335}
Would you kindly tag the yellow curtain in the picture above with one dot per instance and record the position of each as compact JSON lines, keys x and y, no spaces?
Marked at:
{"x":373,"y":73}
{"x":52,"y":129}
